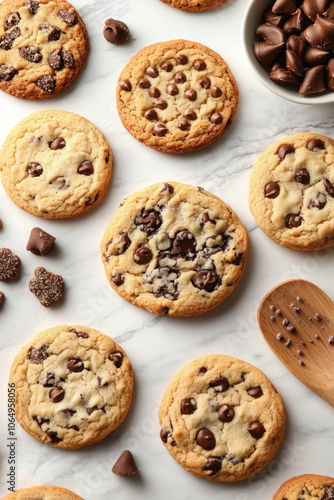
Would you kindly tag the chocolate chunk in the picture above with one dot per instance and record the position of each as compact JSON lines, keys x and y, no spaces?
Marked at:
{"x":53,"y":436}
{"x":56,"y":394}
{"x":34,"y":169}
{"x":167,"y":66}
{"x":151,"y":115}
{"x":12,"y":19}
{"x":216,"y":92}
{"x":69,"y":17}
{"x":154,"y":92}
{"x":149,"y":221}
{"x":255,"y":392}
{"x":152,"y":71}
{"x":315,"y":144}
{"x":202,"y":371}
{"x":315,"y":57}
{"x":142,"y":256}
{"x":46,"y":83}
{"x":33,"y":6}
{"x":293,"y":220}
{"x":188,"y":406}
{"x":172,"y":89}
{"x":319,"y":203}
{"x":206,"y":218}
{"x":329,"y":188}
{"x":40,"y":242}
{"x":205,"y":83}
{"x":303,"y":176}
{"x":125,"y":85}
{"x":116,"y":32}
{"x":183,"y":124}
{"x":13,"y":33}
{"x":7,"y":73}
{"x":160,"y":130}
{"x":267,"y":53}
{"x":168,"y":187}
{"x":180,"y":77}
{"x":221,"y":384}
{"x":117,"y":358}
{"x":206,"y":439}
{"x":256,"y":430}
{"x":191,"y":114}
{"x":31,"y":54}
{"x":86,"y":168}
{"x":54,"y":33}
{"x":199,"y":65}
{"x":283,"y":76}
{"x":75,"y":365}
{"x":182,"y":59}
{"x":298,"y":45}
{"x":37,"y":355}
{"x":55,"y":60}
{"x":328,"y":492}
{"x":216,"y":118}
{"x":213,"y":465}
{"x":225,"y":413}
{"x":205,"y":280}
{"x":9,"y":265}
{"x":5,"y":43}
{"x":118,"y":279}
{"x":320,"y":34}
{"x":125,"y":465}
{"x":91,"y":409}
{"x":270,"y":33}
{"x":272,"y":190}
{"x":58,"y":143}
{"x":161,"y":105}
{"x":47,"y":287}
{"x":294,"y":63}
{"x":284,"y":7}
{"x":184,"y":243}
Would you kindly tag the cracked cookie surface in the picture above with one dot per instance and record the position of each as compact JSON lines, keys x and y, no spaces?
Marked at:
{"x":73,"y":386}
{"x":177,"y":96}
{"x":292,"y":191}
{"x":174,"y":249}
{"x":194,"y":5}
{"x":42,"y":493}
{"x":43,"y":47}
{"x":306,"y":487}
{"x":55,"y":164}
{"x":221,"y":418}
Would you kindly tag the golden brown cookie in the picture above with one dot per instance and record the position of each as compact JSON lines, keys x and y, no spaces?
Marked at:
{"x":174,"y":249}
{"x":306,"y":487}
{"x":55,"y":164}
{"x":177,"y":96}
{"x":194,"y":5}
{"x":291,"y":192}
{"x":43,"y":47}
{"x":221,"y":418}
{"x":42,"y":493}
{"x":73,"y":386}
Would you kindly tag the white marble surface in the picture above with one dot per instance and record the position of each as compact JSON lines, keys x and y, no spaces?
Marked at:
{"x":158,"y":347}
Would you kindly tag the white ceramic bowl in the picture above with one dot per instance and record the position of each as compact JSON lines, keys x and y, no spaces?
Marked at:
{"x":253,"y":17}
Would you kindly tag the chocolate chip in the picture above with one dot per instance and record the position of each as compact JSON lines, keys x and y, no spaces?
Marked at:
{"x":296,"y":23}
{"x":315,"y":144}
{"x":53,"y":436}
{"x":206,"y":218}
{"x":272,"y":190}
{"x":283,"y":76}
{"x":168,"y":187}
{"x":182,"y":59}
{"x":190,"y":115}
{"x":329,"y":187}
{"x":285,"y":149}
{"x":117,"y":358}
{"x":40,"y":242}
{"x":85,"y":168}
{"x":183,"y":124}
{"x":188,"y":406}
{"x":284,"y":6}
{"x":213,"y":465}
{"x":180,"y":77}
{"x":125,"y":465}
{"x":142,"y":256}
{"x":314,"y":81}
{"x":149,"y":221}
{"x":116,"y":32}
{"x":320,"y":34}
{"x":216,"y":118}
{"x":75,"y":365}
{"x":125,"y":85}
{"x":272,"y":18}
{"x":319,"y":203}
{"x":167,"y":66}
{"x":152,"y":71}
{"x":298,"y":45}
{"x":12,"y":19}
{"x":184,"y":243}
{"x":56,"y":394}
{"x":191,"y":94}
{"x":5,"y":43}
{"x":221,"y":384}
{"x":33,"y":6}
{"x":91,"y":409}
{"x":328,"y":492}
{"x":293,"y":220}
{"x":313,"y":7}
{"x":216,"y":92}
{"x":154,"y":92}
{"x":206,"y":439}
{"x":58,"y":143}
{"x":50,"y":379}
{"x":172,"y":89}
{"x":54,"y":33}
{"x":144,"y":83}
{"x":118,"y":279}
{"x":37,"y":355}
{"x":205,"y":83}
{"x":199,"y":65}
{"x":255,"y":392}
{"x":74,"y":427}
{"x":46,"y":83}
{"x":81,"y":335}
{"x":205,"y":280}
{"x":202,"y":371}
{"x":303,"y":176}
{"x":164,"y":435}
{"x":161,"y":105}
{"x":160,"y":130}
{"x":13,"y":33}
{"x":9,"y":265}
{"x":225,"y":413}
{"x":55,"y":60}
{"x":34,"y":169}
{"x":294,"y":63}
{"x":270,"y":33}
{"x":69,"y":17}
{"x":266,"y":53}
{"x":31,"y":54}
{"x":315,"y":57}
{"x":47,"y":287}
{"x":256,"y":430}
{"x":151,"y":115}
{"x":7,"y":73}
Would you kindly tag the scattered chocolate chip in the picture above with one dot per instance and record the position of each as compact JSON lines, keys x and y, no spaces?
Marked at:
{"x":86,"y":168}
{"x":272,"y":190}
{"x":221,"y":384}
{"x":180,"y":77}
{"x":167,"y":66}
{"x":188,"y":406}
{"x":256,"y":430}
{"x":213,"y":465}
{"x":53,"y":32}
{"x":75,"y":365}
{"x":40,"y":242}
{"x":116,"y":32}
{"x":56,"y":394}
{"x":216,"y":92}
{"x":117,"y":358}
{"x":190,"y":115}
{"x":33,"y":6}
{"x":7,"y":73}
{"x":199,"y":65}
{"x":182,"y":59}
{"x":154,"y":92}
{"x":293,"y":220}
{"x":205,"y":280}
{"x":46,"y":83}
{"x":206,"y":439}
{"x":9,"y":265}
{"x":47,"y":287}
{"x":183,"y":124}
{"x":125,"y":85}
{"x":151,"y":115}
{"x":255,"y":392}
{"x":225,"y":413}
{"x":125,"y":465}
{"x":142,"y":256}
{"x":216,"y":118}
{"x":205,"y":83}
{"x":160,"y":130}
{"x":172,"y":89}
{"x":69,"y":17}
{"x":303,"y":176}
{"x":202,"y":371}
{"x":149,"y":221}
{"x":31,"y":54}
{"x":37,"y":355}
{"x":162,"y":104}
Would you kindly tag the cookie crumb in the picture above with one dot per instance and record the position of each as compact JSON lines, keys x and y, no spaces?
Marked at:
{"x":125,"y":465}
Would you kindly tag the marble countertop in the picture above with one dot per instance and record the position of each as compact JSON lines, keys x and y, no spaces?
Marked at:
{"x":159,"y":346}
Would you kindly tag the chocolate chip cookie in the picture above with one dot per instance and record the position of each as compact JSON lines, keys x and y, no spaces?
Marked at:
{"x":221,"y":418}
{"x":292,"y":192}
{"x":306,"y":487}
{"x":73,"y":386}
{"x":177,"y":96}
{"x":174,"y":249}
{"x":42,"y":493}
{"x":55,"y":164}
{"x":194,"y":5}
{"x":43,"y":47}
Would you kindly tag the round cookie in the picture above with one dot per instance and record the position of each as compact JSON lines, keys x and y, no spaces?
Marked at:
{"x":43,"y":47}
{"x":221,"y":418}
{"x":174,"y":249}
{"x":292,"y":192}
{"x":55,"y":164}
{"x":177,"y":96}
{"x":73,"y":386}
{"x":306,"y":487}
{"x":42,"y":493}
{"x":194,"y":5}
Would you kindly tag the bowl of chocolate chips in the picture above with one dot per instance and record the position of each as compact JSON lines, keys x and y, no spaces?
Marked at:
{"x":289,"y":45}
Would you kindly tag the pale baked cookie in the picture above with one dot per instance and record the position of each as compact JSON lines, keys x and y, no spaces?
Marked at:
{"x":55,"y":164}
{"x":194,"y":5}
{"x":73,"y":386}
{"x":43,"y":47}
{"x":306,"y":487}
{"x":177,"y":96}
{"x":221,"y":418}
{"x":174,"y":249}
{"x":292,"y":191}
{"x":42,"y":493}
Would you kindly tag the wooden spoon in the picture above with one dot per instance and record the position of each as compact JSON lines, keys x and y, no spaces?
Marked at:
{"x":296,"y":319}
